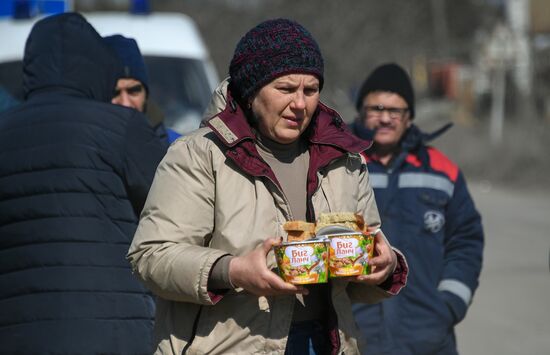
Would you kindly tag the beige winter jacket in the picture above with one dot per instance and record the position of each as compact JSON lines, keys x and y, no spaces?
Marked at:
{"x":206,"y":202}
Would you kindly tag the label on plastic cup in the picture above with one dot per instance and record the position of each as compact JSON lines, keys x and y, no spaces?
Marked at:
{"x":303,"y":262}
{"x":349,"y":254}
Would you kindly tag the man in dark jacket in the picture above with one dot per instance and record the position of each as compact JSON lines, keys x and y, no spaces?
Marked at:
{"x":75,"y":171}
{"x":427,"y":213}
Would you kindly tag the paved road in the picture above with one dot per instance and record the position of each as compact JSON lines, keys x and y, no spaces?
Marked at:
{"x":510,"y":313}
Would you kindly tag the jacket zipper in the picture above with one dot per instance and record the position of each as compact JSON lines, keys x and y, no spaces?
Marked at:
{"x":289,"y":213}
{"x":195,"y":326}
{"x":288,"y":216}
{"x":319,"y":175}
{"x":338,"y":343}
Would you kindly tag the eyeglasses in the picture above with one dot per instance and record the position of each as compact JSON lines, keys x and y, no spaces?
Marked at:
{"x":376,"y":111}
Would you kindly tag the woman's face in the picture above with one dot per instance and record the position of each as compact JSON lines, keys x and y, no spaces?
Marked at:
{"x":284,"y":107}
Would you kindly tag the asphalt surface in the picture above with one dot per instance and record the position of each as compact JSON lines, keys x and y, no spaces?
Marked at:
{"x":510,"y":312}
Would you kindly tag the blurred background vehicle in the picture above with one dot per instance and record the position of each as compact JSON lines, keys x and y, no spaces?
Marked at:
{"x":181,"y":74}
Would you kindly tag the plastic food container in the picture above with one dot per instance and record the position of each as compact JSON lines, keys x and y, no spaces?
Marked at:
{"x":304,"y":262}
{"x":349,"y":254}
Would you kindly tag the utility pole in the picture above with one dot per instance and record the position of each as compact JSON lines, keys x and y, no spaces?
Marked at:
{"x":441,"y":28}
{"x":501,"y":53}
{"x":498,"y":90}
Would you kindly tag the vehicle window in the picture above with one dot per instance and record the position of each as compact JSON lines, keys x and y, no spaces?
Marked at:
{"x":180,"y":87}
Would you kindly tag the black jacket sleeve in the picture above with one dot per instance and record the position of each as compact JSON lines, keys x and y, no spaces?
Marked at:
{"x":143,"y":151}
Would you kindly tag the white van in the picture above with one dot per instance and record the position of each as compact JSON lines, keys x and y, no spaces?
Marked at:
{"x":181,"y":74}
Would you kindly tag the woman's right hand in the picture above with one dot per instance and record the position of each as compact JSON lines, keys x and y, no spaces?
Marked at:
{"x":250,"y":272}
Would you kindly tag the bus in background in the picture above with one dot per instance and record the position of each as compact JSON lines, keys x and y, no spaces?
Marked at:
{"x":181,"y":74}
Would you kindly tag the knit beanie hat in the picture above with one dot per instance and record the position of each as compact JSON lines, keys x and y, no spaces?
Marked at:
{"x":272,"y":49}
{"x":130,"y":56}
{"x":388,"y":77}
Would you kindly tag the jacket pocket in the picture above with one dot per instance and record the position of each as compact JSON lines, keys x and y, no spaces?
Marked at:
{"x":220,"y":329}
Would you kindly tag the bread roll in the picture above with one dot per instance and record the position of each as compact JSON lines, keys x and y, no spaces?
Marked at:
{"x":350,"y":220}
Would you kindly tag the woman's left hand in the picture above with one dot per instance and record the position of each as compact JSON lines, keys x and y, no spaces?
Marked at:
{"x":382,"y":264}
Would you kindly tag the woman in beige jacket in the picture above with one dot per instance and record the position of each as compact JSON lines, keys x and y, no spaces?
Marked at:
{"x":272,"y":153}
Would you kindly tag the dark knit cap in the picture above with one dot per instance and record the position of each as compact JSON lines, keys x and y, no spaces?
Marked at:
{"x":130,"y":56}
{"x":272,"y":49}
{"x":388,"y":77}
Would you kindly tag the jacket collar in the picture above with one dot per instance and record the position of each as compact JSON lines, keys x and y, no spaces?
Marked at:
{"x":231,"y":125}
{"x":414,"y":137}
{"x":412,"y":145}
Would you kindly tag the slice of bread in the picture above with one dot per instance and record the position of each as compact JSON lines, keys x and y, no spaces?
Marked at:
{"x":299,"y":236}
{"x":299,"y":226}
{"x":299,"y":230}
{"x":351,"y":220}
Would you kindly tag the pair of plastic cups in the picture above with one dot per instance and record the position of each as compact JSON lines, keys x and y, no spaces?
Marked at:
{"x":333,"y":253}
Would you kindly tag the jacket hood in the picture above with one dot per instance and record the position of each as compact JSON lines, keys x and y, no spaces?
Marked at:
{"x":65,"y":52}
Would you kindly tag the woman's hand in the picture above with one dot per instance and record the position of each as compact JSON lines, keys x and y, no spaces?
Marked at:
{"x":382,"y":264}
{"x":250,"y":272}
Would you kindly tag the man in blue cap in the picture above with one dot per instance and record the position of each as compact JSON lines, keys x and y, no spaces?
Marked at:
{"x":132,"y":89}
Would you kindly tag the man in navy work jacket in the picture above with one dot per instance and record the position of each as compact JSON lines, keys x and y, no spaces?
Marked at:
{"x":426,"y":212}
{"x":75,"y":171}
